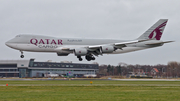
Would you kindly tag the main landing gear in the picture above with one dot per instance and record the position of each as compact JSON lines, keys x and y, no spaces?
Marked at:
{"x":22,"y":56}
{"x":88,"y":57}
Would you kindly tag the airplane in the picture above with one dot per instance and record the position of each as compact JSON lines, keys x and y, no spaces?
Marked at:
{"x":50,"y":74}
{"x":88,"y":47}
{"x":90,"y":75}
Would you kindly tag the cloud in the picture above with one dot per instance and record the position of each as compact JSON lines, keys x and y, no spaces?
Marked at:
{"x":114,"y":19}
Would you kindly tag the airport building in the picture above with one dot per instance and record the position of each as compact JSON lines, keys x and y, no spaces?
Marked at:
{"x":31,"y":68}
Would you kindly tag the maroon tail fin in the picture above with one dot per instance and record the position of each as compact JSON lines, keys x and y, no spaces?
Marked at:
{"x":156,"y":31}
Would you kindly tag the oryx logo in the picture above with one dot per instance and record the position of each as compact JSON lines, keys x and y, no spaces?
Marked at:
{"x":157,"y":32}
{"x":154,"y":35}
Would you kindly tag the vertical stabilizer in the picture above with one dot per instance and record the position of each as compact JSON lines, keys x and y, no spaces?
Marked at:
{"x":155,"y":32}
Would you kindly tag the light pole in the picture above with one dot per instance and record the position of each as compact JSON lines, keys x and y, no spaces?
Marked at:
{"x":162,"y":70}
{"x":113,"y":70}
{"x":173,"y":71}
{"x":170,"y":72}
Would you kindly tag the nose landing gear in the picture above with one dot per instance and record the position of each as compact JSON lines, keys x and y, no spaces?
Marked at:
{"x":22,"y":56}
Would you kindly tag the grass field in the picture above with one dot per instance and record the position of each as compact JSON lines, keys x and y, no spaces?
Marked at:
{"x":82,"y":90}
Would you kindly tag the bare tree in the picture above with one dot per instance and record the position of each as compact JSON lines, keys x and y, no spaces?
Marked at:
{"x":173,"y":68}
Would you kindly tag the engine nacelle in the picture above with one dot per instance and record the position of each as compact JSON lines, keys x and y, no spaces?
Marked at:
{"x":80,"y":52}
{"x":107,"y":49}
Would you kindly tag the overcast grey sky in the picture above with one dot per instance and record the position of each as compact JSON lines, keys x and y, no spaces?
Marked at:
{"x":114,"y":19}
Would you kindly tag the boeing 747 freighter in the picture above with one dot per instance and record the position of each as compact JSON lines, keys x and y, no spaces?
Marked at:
{"x":89,"y":47}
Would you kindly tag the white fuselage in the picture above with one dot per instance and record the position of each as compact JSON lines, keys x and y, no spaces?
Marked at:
{"x":37,"y":43}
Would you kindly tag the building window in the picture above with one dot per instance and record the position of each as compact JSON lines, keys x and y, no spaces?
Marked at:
{"x":8,"y":65}
{"x":35,"y":65}
{"x":6,"y":69}
{"x":49,"y":65}
{"x":67,"y":65}
{"x":31,"y":63}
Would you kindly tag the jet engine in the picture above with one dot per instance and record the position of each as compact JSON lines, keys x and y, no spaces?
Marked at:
{"x":107,"y":49}
{"x":80,"y":52}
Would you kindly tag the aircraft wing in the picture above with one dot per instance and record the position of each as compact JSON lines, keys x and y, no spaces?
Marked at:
{"x":70,"y":47}
{"x":94,"y":49}
{"x":64,"y":48}
{"x":121,"y":44}
{"x":98,"y":49}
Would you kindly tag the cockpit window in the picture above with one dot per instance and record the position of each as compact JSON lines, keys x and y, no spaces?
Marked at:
{"x":18,"y":36}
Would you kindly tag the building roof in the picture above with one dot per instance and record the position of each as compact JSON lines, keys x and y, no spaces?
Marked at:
{"x":31,"y":64}
{"x":156,"y":69}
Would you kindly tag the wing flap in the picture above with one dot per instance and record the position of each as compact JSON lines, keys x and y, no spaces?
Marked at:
{"x":94,"y":47}
{"x":121,"y":44}
{"x":124,"y":43}
{"x":70,"y":47}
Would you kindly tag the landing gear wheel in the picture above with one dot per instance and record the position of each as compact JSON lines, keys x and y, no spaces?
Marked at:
{"x":22,"y":56}
{"x":79,"y":57}
{"x":93,"y":58}
{"x":89,"y":57}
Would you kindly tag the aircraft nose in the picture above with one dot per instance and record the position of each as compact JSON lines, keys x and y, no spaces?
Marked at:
{"x":11,"y":43}
{"x":7,"y":43}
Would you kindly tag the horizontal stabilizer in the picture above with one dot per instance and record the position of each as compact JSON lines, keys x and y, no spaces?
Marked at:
{"x":157,"y":43}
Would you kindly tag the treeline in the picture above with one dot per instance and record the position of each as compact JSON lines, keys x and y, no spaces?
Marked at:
{"x":172,"y":69}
